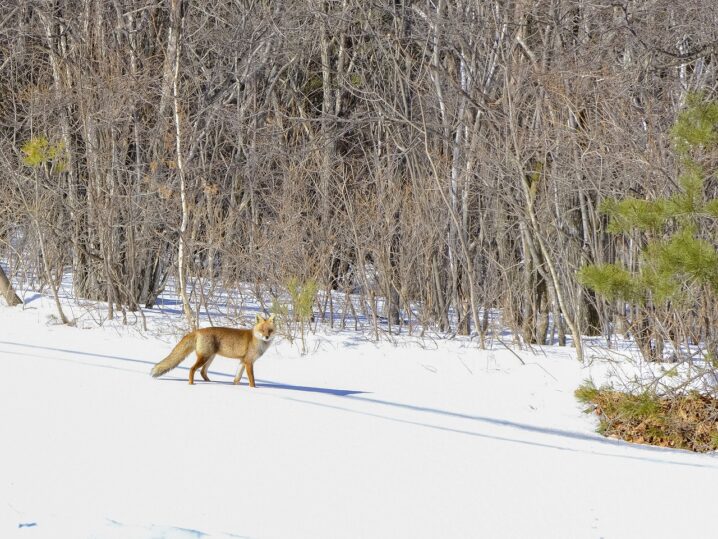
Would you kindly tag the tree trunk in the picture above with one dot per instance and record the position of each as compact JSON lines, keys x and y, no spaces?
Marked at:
{"x":7,"y":290}
{"x":176,"y":17}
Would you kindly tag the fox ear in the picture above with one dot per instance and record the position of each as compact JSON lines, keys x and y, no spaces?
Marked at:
{"x":271,"y":318}
{"x":259,"y":318}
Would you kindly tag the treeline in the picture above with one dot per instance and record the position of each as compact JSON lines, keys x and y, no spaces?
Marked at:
{"x":447,"y":156}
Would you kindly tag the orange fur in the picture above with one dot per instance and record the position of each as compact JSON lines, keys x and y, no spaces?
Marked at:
{"x":247,"y":345}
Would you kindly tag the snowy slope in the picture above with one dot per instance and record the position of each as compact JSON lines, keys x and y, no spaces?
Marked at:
{"x":356,"y":440}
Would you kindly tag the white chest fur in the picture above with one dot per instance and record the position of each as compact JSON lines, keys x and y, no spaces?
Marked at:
{"x":262,"y":343}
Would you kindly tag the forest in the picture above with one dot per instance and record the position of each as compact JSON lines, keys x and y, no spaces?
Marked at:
{"x":427,"y":162}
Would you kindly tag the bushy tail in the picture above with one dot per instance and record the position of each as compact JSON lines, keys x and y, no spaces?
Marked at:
{"x":178,"y":353}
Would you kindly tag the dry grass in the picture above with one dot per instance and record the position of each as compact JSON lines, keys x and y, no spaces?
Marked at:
{"x":687,"y":421}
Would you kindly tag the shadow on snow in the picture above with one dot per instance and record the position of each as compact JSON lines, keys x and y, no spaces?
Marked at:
{"x":260,"y":383}
{"x":355,"y":395}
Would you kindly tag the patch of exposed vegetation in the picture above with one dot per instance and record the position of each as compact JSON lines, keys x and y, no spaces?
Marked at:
{"x":688,"y":421}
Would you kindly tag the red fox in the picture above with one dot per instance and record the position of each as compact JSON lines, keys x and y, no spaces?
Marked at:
{"x":247,"y":345}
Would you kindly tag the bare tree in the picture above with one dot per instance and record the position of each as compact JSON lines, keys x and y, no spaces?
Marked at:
{"x":429,"y":164}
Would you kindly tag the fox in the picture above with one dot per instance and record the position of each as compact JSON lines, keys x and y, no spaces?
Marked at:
{"x":247,"y":345}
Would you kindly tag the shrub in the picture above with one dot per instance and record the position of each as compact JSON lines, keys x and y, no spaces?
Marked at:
{"x":297,"y":315}
{"x":688,"y":421}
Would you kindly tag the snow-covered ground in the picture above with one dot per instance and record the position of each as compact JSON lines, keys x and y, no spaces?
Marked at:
{"x":357,"y":439}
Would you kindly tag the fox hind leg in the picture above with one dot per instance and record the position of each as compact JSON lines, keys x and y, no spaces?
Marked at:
{"x":206,"y":365}
{"x":201,"y":360}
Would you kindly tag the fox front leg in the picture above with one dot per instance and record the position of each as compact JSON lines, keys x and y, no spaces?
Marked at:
{"x":250,"y":374}
{"x":240,"y":373}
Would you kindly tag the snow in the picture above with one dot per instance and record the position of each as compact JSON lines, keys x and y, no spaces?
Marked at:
{"x":410,"y":438}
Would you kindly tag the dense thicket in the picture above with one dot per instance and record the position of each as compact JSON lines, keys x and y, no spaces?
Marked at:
{"x":448,"y":156}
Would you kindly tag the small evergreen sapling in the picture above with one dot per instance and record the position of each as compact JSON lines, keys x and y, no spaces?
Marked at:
{"x":679,"y":262}
{"x":302,"y":296}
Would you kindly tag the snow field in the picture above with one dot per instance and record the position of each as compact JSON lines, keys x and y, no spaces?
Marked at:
{"x":356,"y":440}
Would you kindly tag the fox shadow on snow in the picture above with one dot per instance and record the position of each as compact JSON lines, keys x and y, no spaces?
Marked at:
{"x":268,"y":384}
{"x":260,"y":383}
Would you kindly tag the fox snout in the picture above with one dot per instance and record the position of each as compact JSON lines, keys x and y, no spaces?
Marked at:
{"x":262,"y":336}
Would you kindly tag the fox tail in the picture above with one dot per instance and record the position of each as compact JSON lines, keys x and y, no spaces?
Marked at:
{"x":177,"y":355}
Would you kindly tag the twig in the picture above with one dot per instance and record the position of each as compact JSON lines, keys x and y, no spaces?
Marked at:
{"x":509,"y":349}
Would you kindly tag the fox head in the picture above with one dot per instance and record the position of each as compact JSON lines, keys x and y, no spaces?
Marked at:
{"x":264,"y":328}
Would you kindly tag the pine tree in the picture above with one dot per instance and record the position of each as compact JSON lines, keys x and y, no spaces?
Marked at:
{"x":677,"y":278}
